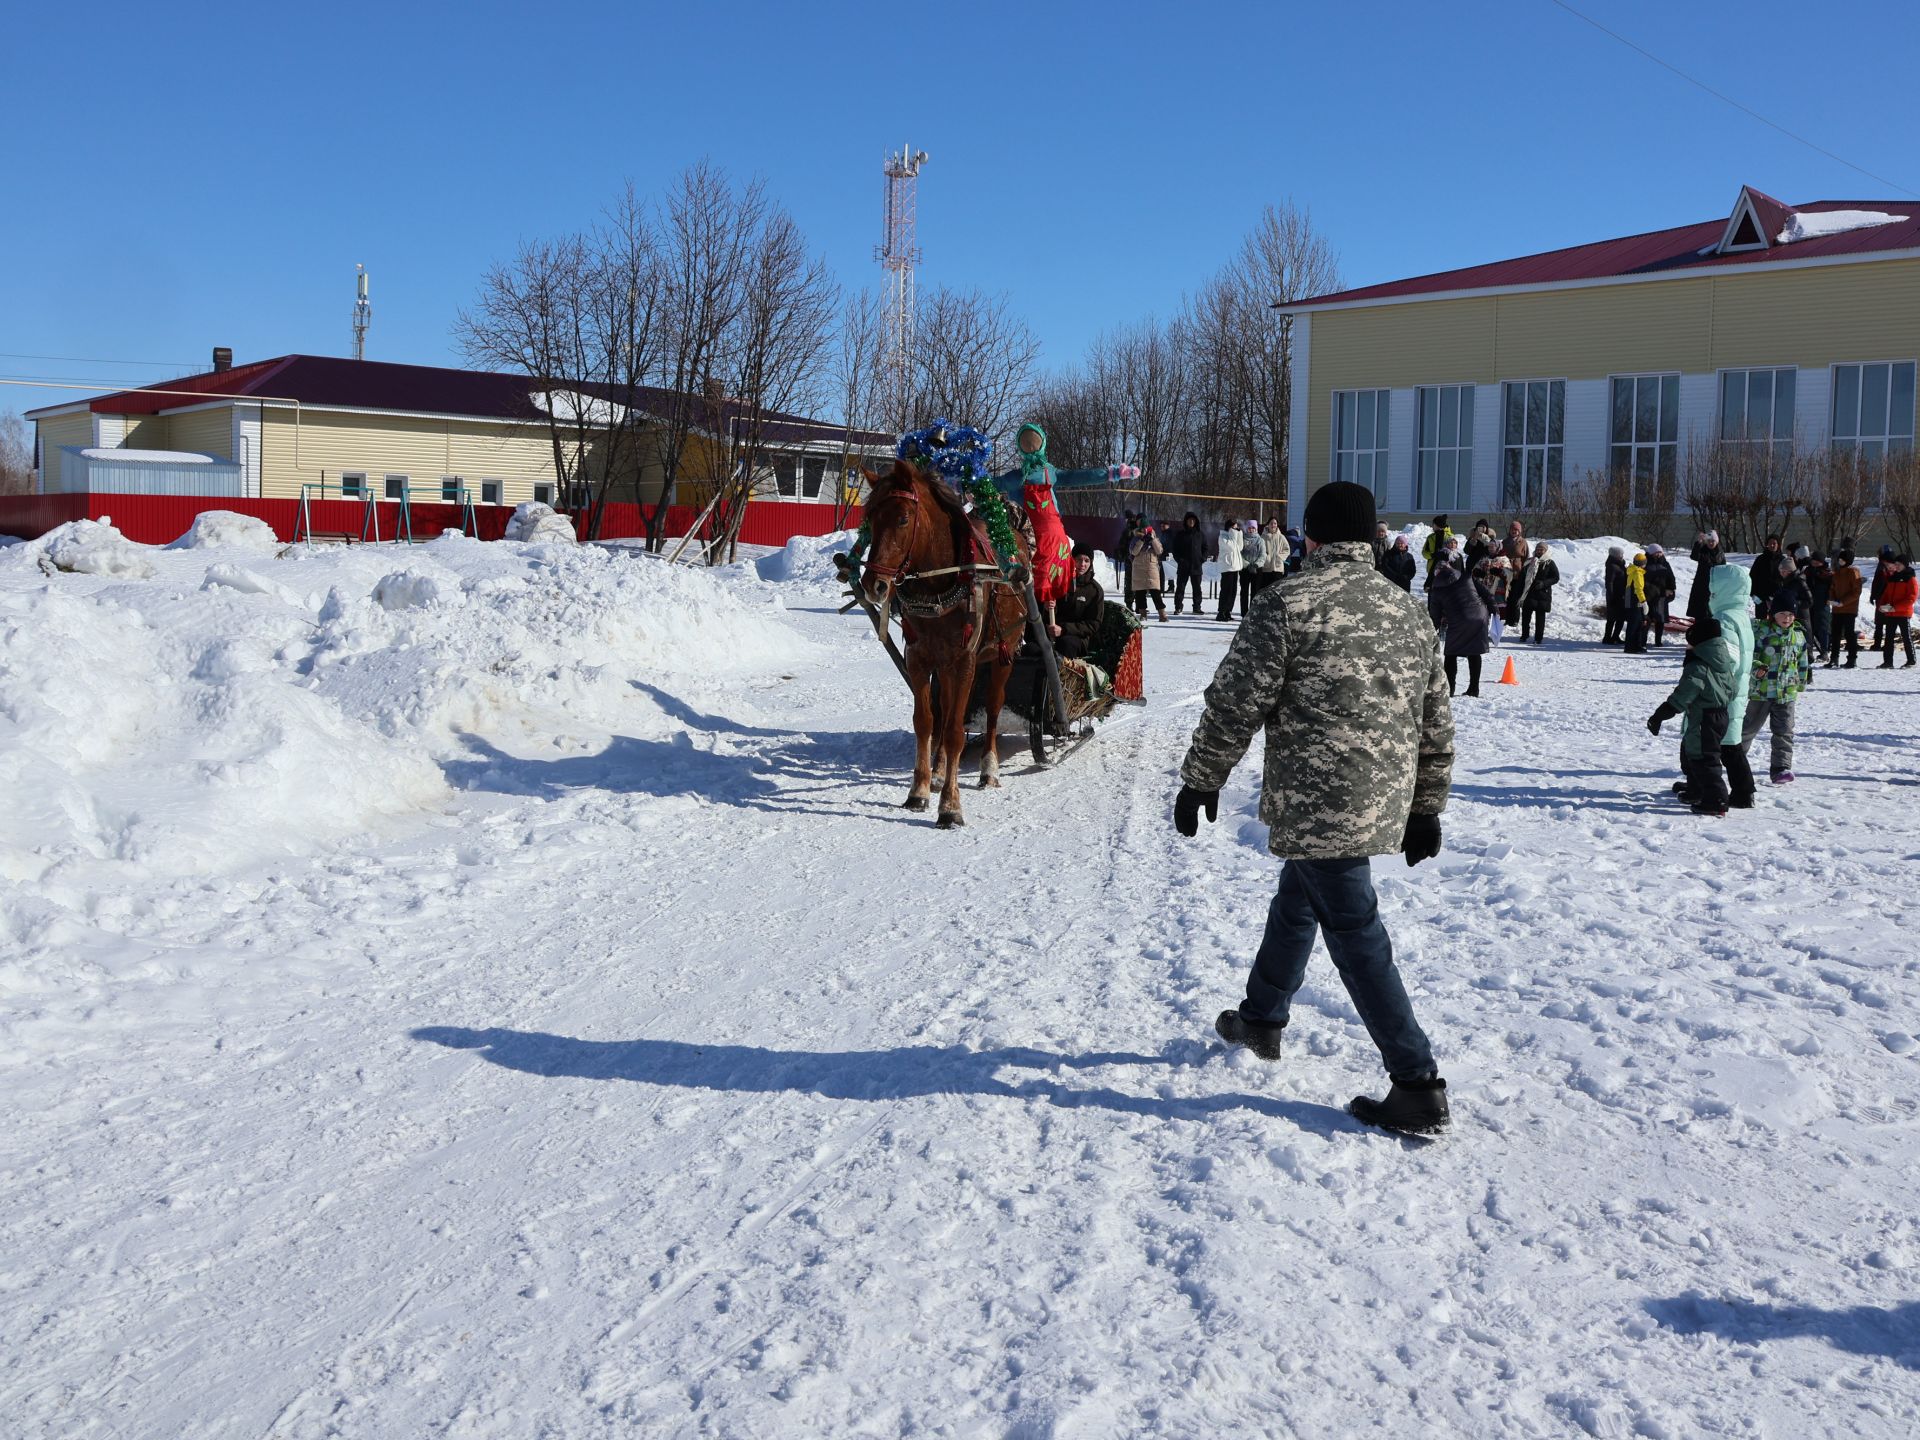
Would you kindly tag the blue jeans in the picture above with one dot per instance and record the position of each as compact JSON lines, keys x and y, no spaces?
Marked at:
{"x":1336,"y":897}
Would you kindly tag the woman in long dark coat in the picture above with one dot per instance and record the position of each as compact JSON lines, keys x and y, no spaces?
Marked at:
{"x":1465,"y":605}
{"x":1706,"y":555}
{"x":1616,"y":596}
{"x":1398,"y":565}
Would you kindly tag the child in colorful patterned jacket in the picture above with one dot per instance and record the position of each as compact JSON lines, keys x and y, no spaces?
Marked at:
{"x":1782,"y":668}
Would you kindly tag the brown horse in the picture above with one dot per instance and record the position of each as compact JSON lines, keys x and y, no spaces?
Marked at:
{"x":957,"y":614}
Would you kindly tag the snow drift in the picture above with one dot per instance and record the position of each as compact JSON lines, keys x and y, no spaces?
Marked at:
{"x":222,"y":712}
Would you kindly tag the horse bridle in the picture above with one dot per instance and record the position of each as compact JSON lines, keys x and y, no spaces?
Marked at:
{"x":892,"y":577}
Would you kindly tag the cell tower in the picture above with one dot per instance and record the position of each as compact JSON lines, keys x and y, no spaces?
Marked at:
{"x":362,"y":316}
{"x":898,"y":255}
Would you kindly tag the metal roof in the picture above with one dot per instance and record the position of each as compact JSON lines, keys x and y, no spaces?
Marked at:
{"x":327,"y":381}
{"x":1685,"y":248}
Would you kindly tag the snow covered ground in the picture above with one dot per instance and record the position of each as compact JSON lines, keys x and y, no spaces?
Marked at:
{"x":491,"y":990}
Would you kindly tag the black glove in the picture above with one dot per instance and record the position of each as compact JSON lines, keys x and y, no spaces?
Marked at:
{"x":1422,"y":838}
{"x":1659,"y":718}
{"x":1186,"y":809}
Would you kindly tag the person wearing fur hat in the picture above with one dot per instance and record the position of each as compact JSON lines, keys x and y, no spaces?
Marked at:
{"x":1078,"y":614}
{"x":1537,"y":580}
{"x":1661,"y":589}
{"x":1341,"y":671}
{"x":1702,"y":697}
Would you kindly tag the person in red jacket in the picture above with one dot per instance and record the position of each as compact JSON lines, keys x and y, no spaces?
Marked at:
{"x":1896,"y":608}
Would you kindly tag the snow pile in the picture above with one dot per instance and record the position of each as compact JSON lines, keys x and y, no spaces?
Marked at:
{"x":226,"y":530}
{"x":218,"y":716}
{"x":1579,"y":601}
{"x":807,"y":559}
{"x":1803,"y":225}
{"x":94,"y":547}
{"x":537,"y":524}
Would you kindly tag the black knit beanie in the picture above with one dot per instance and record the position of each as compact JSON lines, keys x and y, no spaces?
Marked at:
{"x":1702,"y":631}
{"x":1339,"y":511}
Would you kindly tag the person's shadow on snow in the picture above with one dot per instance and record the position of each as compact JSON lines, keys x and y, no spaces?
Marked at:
{"x":904,"y":1073}
{"x":1892,"y":1332}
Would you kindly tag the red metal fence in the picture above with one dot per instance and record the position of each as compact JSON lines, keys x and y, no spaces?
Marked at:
{"x":157,"y":519}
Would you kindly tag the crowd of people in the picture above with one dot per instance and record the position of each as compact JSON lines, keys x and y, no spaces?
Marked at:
{"x":1478,"y":589}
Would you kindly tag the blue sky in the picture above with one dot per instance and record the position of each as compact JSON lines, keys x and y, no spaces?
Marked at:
{"x":193,"y":176}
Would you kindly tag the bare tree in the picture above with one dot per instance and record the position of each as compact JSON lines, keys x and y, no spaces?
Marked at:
{"x":707,"y":235}
{"x":860,"y":385}
{"x":1898,"y":486}
{"x":579,"y":317}
{"x":972,"y":362}
{"x":1840,"y":491}
{"x":16,"y":455}
{"x":778,"y":349}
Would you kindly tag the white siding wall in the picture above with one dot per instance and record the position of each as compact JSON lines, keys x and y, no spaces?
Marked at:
{"x":1813,"y":406}
{"x":246,"y":446}
{"x":1488,"y":437}
{"x":1298,"y":481}
{"x":1699,"y":411}
{"x":1586,"y":427}
{"x":1397,"y":493}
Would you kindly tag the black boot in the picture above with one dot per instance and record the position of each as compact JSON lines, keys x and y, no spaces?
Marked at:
{"x":1417,"y":1107}
{"x":1262,"y":1037}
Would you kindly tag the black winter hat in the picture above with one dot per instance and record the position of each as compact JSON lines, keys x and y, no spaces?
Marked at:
{"x":1082,"y":548}
{"x":1702,"y":631}
{"x":1340,"y":511}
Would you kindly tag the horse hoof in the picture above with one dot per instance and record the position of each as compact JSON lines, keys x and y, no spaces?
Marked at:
{"x":952,"y":820}
{"x":989,"y":782}
{"x":916,"y":802}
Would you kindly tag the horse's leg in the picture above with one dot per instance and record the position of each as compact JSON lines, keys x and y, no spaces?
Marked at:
{"x":998,"y":672}
{"x":921,"y":679}
{"x":952,"y":717}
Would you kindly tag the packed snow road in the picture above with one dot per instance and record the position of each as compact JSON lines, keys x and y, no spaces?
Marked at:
{"x":493,"y":990}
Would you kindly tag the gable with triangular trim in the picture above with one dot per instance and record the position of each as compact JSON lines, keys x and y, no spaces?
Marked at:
{"x":1744,"y":228}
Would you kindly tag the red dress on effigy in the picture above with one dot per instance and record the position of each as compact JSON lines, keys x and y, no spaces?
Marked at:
{"x":1052,"y":550}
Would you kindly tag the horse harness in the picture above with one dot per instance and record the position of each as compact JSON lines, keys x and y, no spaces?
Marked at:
{"x":966,"y":589}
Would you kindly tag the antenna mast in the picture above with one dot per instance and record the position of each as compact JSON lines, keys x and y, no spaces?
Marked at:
{"x":362,"y":315}
{"x":898,"y":255}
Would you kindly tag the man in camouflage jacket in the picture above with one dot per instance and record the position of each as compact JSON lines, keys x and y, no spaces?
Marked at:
{"x":1343,"y":670}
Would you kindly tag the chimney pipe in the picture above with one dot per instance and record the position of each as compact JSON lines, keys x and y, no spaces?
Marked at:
{"x":222,"y":358}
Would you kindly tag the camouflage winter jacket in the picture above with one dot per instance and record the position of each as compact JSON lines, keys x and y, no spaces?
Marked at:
{"x":1343,"y":669}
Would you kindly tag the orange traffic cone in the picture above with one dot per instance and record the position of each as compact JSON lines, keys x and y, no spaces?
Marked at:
{"x":1507,"y":677}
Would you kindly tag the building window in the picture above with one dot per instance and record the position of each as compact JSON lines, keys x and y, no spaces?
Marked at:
{"x":1645,"y":437}
{"x":489,"y":492}
{"x":353,"y":487}
{"x":1873,"y":409}
{"x":543,"y":494}
{"x":396,"y":487}
{"x":1533,"y":442}
{"x":1444,"y":468}
{"x":786,"y":471}
{"x":813,"y":473}
{"x":450,"y":490}
{"x":1360,"y":437}
{"x":1756,"y":409}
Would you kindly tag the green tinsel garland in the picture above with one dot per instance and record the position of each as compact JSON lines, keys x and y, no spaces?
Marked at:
{"x":992,"y":507}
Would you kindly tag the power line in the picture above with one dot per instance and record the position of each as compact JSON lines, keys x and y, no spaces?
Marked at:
{"x":1728,"y":99}
{"x":93,"y":360}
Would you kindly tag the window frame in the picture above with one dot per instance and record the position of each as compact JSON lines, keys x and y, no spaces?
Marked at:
{"x":450,"y":488}
{"x":405,"y":485}
{"x":1547,"y":447}
{"x":1382,"y":435}
{"x":1773,"y":442}
{"x":1659,"y":443}
{"x":1886,"y":435}
{"x":358,"y":480}
{"x":491,"y":491}
{"x":543,"y":492}
{"x":1463,"y":472}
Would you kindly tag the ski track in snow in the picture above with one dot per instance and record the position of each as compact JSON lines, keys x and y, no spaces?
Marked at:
{"x":692,"y":1087}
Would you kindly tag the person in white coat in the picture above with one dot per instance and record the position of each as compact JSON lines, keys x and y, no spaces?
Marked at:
{"x":1233,"y":559}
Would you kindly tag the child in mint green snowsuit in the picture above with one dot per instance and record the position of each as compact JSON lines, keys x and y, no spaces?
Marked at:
{"x":1782,"y":668}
